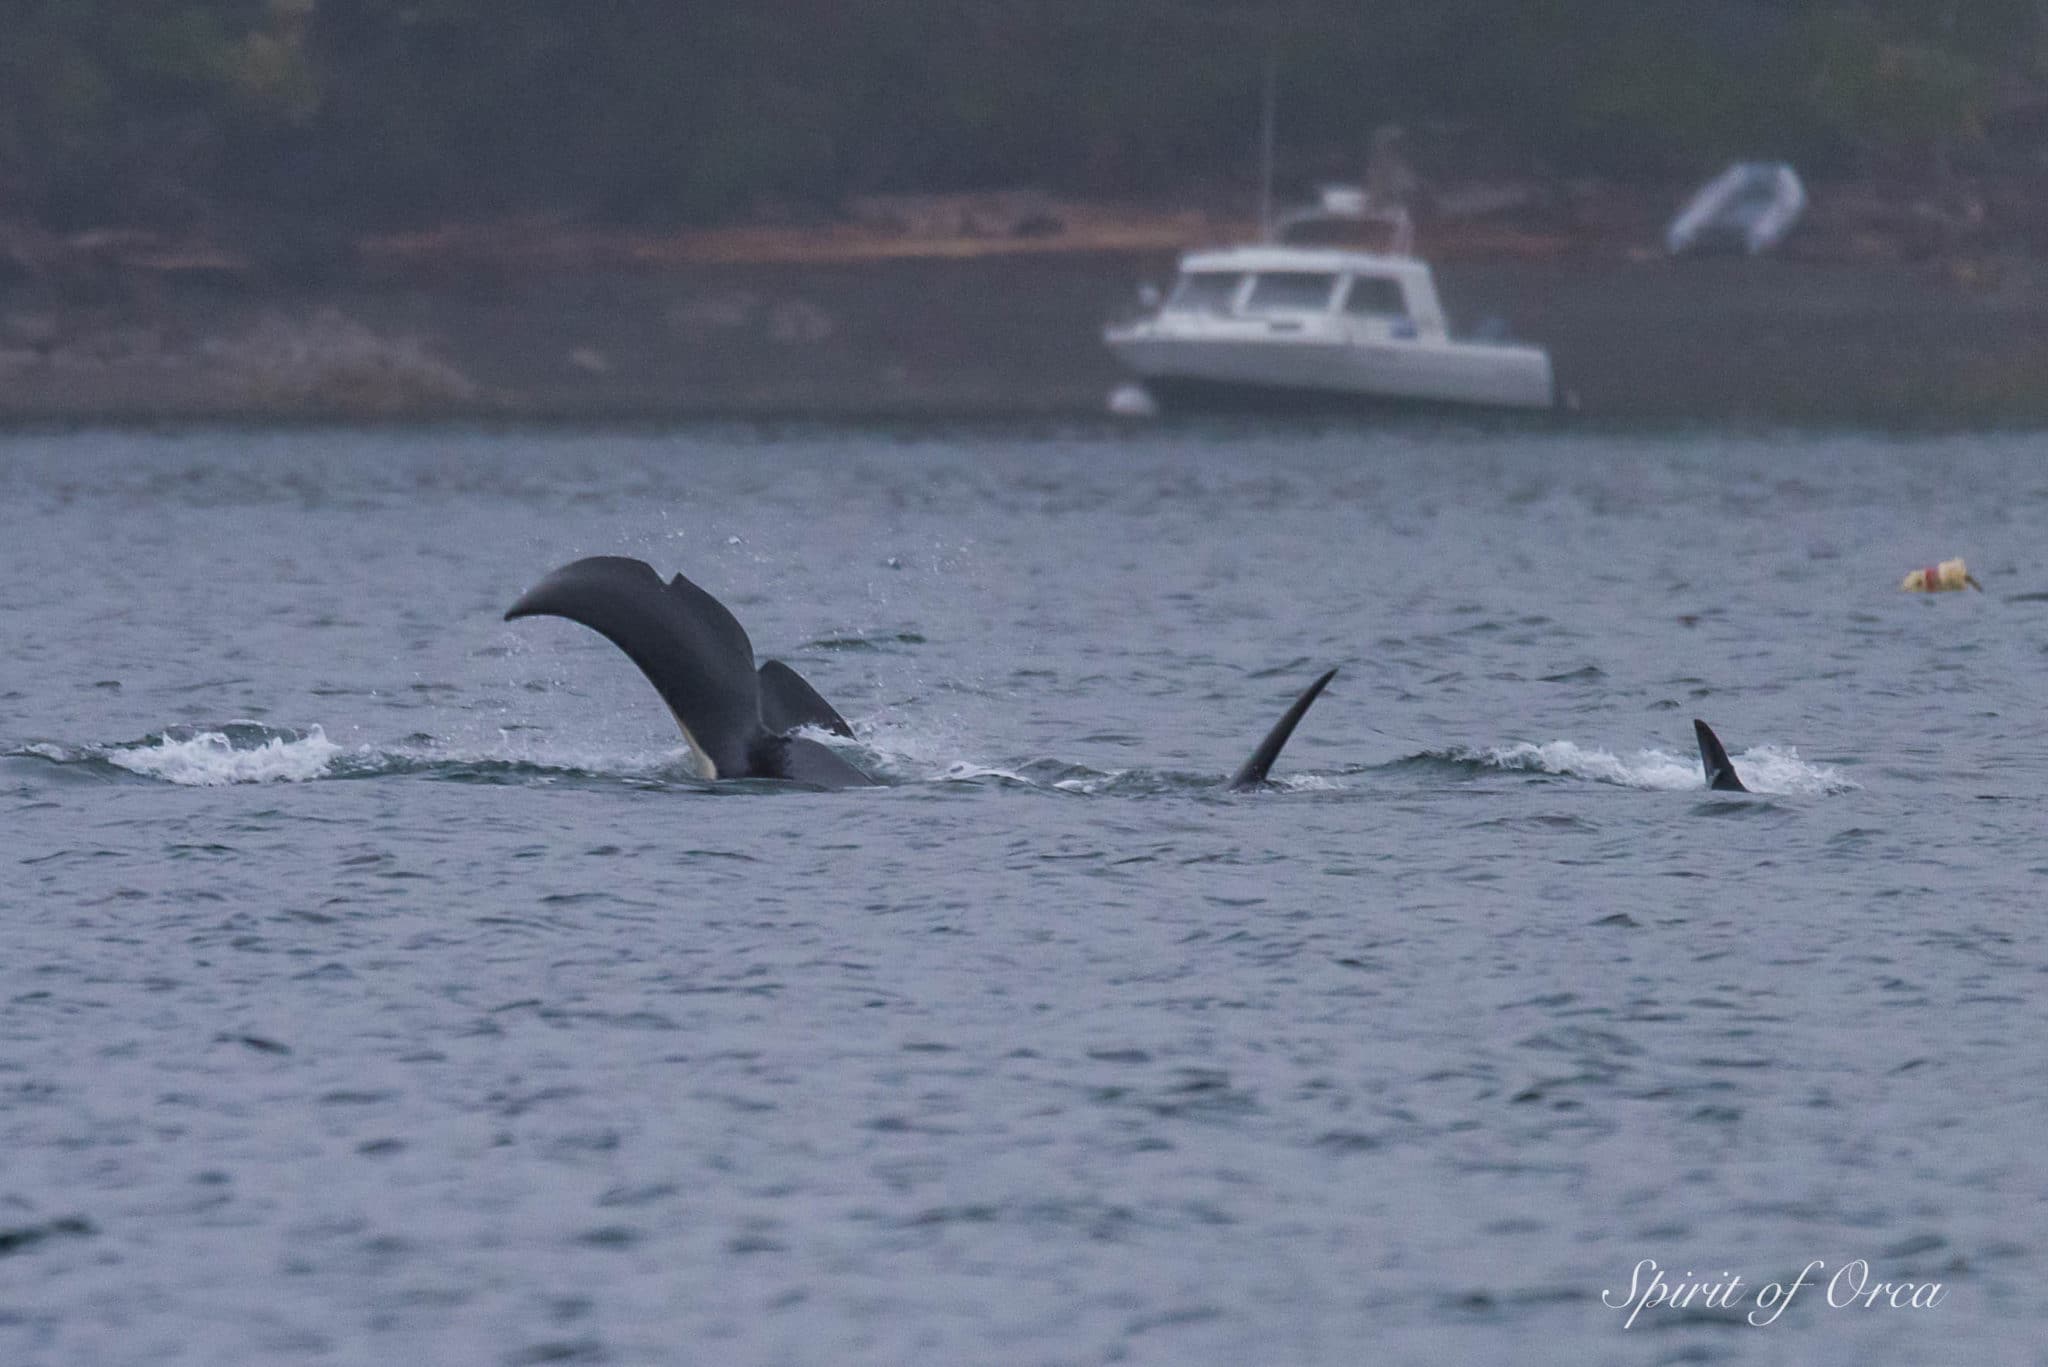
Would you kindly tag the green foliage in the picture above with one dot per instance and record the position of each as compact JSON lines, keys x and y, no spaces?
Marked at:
{"x":103,"y":103}
{"x":408,"y":111}
{"x":1890,"y":82}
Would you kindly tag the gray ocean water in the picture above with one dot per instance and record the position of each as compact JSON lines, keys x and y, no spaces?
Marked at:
{"x":378,"y":985}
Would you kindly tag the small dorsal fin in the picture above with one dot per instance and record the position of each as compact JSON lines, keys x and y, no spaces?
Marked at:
{"x":1253,"y":771}
{"x":1720,"y":773}
{"x":788,"y":701}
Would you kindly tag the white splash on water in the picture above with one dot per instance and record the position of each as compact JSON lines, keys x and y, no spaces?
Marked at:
{"x":966,"y":771}
{"x":1308,"y":783}
{"x":920,"y":751}
{"x":546,"y":753}
{"x":1763,"y":769}
{"x":211,"y":758}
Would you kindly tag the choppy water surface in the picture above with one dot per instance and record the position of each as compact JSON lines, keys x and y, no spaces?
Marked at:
{"x":378,"y":985}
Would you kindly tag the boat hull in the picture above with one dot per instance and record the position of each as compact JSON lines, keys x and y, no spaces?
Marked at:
{"x":1181,"y":396}
{"x":1261,"y":373}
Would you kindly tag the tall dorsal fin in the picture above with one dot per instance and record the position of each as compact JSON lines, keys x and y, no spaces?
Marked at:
{"x":1253,"y":771}
{"x":1720,"y":773}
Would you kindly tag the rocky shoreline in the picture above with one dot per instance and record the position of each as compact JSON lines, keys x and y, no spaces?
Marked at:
{"x":852,"y":323}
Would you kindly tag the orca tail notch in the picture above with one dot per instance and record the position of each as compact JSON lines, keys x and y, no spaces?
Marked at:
{"x":1253,"y":771}
{"x":1720,"y":773}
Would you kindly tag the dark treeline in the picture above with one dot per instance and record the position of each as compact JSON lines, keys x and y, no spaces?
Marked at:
{"x":196,"y":113}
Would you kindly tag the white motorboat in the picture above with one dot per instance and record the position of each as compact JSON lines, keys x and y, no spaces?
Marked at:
{"x":1293,"y":323}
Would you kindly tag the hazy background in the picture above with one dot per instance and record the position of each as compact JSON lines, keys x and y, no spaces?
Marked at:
{"x":252,"y":209}
{"x":208,"y":113}
{"x":377,"y":984}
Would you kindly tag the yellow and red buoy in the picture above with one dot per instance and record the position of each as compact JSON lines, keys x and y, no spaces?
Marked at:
{"x":1947,"y":577}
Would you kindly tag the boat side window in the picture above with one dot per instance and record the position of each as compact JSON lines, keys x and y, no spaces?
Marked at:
{"x":1290,"y":292}
{"x":1375,"y":297}
{"x":1205,"y":292}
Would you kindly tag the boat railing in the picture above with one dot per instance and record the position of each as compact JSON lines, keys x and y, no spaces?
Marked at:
{"x":1347,"y":207}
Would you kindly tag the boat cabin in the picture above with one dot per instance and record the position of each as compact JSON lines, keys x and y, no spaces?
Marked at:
{"x":1389,"y":296}
{"x":1295,"y":321}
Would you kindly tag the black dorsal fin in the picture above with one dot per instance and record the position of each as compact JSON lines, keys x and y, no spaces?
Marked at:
{"x":1720,"y":773}
{"x":788,"y":701}
{"x":1253,"y":771}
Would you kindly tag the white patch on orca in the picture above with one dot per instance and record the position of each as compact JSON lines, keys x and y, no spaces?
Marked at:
{"x":705,"y":768}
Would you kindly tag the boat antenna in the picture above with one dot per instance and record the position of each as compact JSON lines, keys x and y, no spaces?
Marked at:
{"x":1266,"y":102}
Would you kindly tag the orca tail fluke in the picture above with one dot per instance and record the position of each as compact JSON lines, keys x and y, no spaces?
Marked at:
{"x":1720,"y":773}
{"x":690,"y":647}
{"x":788,"y":701}
{"x":1253,"y":771}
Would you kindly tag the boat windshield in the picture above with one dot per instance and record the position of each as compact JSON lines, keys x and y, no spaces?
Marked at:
{"x":1205,"y":292}
{"x":1373,"y":296}
{"x":1291,"y":292}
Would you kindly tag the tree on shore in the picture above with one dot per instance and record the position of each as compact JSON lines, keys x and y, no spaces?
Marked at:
{"x":396,"y":112}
